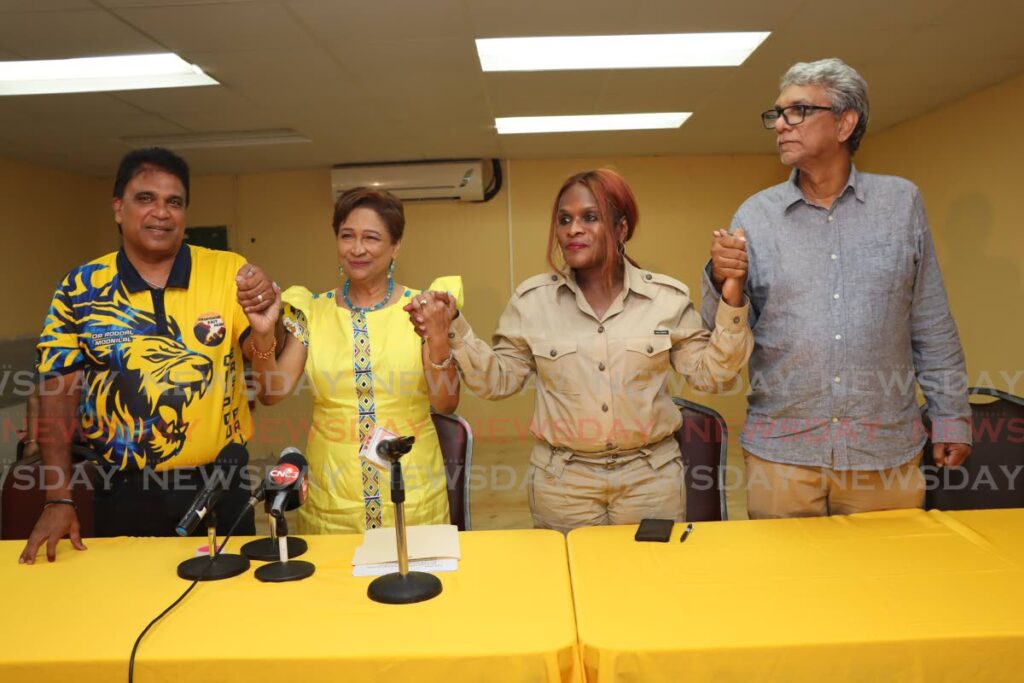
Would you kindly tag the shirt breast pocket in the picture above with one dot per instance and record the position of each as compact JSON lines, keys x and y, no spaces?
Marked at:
{"x":558,"y":364}
{"x":886,"y":269}
{"x":646,"y":362}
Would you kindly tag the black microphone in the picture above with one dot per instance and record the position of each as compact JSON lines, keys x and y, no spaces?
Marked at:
{"x":392,"y":449}
{"x":260,"y":494}
{"x":286,"y":484}
{"x":284,"y":488}
{"x":231,"y":456}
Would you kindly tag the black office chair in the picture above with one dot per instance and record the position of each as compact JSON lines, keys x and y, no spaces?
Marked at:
{"x":992,"y":476}
{"x":703,"y":439}
{"x":456,"y":440}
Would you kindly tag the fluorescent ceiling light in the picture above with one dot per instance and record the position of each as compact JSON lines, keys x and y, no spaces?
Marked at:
{"x":231,"y":138}
{"x":569,"y":124}
{"x":660,"y":50}
{"x":98,"y":74}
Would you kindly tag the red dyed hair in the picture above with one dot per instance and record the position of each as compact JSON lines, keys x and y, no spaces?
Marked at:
{"x":615,"y":203}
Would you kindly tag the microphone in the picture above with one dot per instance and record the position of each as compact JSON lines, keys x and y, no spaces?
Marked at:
{"x":278,"y":489}
{"x":286,"y":484}
{"x":231,"y":456}
{"x":284,"y":488}
{"x":401,"y":587}
{"x":392,"y":449}
{"x":260,"y":494}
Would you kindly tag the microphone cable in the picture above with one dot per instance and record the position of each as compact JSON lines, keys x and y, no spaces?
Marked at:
{"x":138,"y":641}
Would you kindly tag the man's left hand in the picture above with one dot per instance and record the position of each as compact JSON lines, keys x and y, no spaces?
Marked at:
{"x":950,"y":454}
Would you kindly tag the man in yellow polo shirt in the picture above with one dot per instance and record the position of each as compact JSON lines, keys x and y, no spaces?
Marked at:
{"x":142,"y":352}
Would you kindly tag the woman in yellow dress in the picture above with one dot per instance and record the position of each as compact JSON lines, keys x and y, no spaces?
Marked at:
{"x":369,"y":370}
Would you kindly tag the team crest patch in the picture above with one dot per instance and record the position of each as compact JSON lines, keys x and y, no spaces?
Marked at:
{"x":209,"y":329}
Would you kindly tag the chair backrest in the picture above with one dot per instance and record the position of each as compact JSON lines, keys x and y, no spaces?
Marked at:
{"x":22,"y":498}
{"x":456,"y":440}
{"x":703,"y":438}
{"x":993,"y":475}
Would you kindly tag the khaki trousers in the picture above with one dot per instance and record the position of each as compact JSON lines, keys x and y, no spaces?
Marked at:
{"x":568,"y":490}
{"x":779,"y":490}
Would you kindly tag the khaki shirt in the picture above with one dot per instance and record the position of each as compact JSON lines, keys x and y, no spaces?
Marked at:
{"x":603,"y":383}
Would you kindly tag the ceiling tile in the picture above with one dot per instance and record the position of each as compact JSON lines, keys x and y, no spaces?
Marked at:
{"x":500,"y":18}
{"x":517,"y":93}
{"x":389,"y":21}
{"x":218,"y":27}
{"x":75,"y":33}
{"x":44,"y":5}
{"x":162,"y":3}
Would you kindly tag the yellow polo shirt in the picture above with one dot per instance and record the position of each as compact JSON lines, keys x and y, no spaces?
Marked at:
{"x":162,"y":369}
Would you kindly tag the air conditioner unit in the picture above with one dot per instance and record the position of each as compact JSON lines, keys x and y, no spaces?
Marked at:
{"x":459,"y":180}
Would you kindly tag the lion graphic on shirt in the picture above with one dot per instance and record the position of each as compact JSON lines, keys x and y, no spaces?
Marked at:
{"x":139,"y":387}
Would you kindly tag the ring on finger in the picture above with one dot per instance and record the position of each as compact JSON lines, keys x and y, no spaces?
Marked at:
{"x":423,"y":302}
{"x":259,"y":297}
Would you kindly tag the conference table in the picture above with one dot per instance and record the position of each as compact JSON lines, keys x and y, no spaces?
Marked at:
{"x":902,"y":596}
{"x":506,"y":614}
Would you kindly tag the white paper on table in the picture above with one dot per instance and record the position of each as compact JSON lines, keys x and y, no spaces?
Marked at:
{"x":435,"y":565}
{"x":429,"y":541}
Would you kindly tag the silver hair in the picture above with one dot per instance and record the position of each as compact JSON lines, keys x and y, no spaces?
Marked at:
{"x":846,"y":89}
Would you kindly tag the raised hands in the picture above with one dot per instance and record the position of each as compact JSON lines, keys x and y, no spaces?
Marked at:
{"x":431,"y":313}
{"x":260,"y":298}
{"x":729,"y":264}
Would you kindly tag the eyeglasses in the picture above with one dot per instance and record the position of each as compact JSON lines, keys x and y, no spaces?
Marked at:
{"x":792,"y":115}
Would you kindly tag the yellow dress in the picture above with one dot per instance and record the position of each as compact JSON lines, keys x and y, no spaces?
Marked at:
{"x":391,"y":393}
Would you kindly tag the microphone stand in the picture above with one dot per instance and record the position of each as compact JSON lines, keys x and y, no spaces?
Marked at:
{"x":284,"y":569}
{"x":266,"y":549}
{"x":403,"y":587}
{"x":216,"y":565}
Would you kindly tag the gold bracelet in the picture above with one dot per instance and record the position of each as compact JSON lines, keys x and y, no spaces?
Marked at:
{"x":262,"y":355}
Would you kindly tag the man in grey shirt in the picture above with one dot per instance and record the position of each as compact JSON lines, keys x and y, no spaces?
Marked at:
{"x":848,"y":309}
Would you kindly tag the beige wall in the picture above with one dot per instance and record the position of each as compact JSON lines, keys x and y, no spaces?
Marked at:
{"x":966,"y":157}
{"x":49,"y":220}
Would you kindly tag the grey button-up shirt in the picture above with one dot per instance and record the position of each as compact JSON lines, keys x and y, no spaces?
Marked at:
{"x":848,"y":309}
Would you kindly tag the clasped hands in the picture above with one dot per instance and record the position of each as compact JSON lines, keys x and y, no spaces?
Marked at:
{"x":431,"y":313}
{"x":729,"y":264}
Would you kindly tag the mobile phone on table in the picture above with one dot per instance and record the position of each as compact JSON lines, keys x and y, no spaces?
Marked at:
{"x":657,"y":530}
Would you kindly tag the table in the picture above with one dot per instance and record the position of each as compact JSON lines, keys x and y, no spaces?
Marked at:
{"x":887,"y":596}
{"x":505,"y":615}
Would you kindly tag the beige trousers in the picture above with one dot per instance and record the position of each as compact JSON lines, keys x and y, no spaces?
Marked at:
{"x":567,"y":490}
{"x":779,"y":490}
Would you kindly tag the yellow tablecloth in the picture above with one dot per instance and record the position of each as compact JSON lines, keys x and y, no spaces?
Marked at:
{"x":888,"y":596}
{"x":505,"y":615}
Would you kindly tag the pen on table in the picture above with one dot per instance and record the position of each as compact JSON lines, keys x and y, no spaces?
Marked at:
{"x":686,"y":532}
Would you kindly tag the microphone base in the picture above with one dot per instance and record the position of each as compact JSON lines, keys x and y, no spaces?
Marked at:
{"x":292,"y":570}
{"x":224,"y":567}
{"x":395,"y":589}
{"x":266,"y":550}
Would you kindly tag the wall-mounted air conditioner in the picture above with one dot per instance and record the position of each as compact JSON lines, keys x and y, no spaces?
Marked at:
{"x":465,"y":181}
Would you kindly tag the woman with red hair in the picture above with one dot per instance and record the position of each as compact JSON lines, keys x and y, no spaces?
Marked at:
{"x":600,"y":334}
